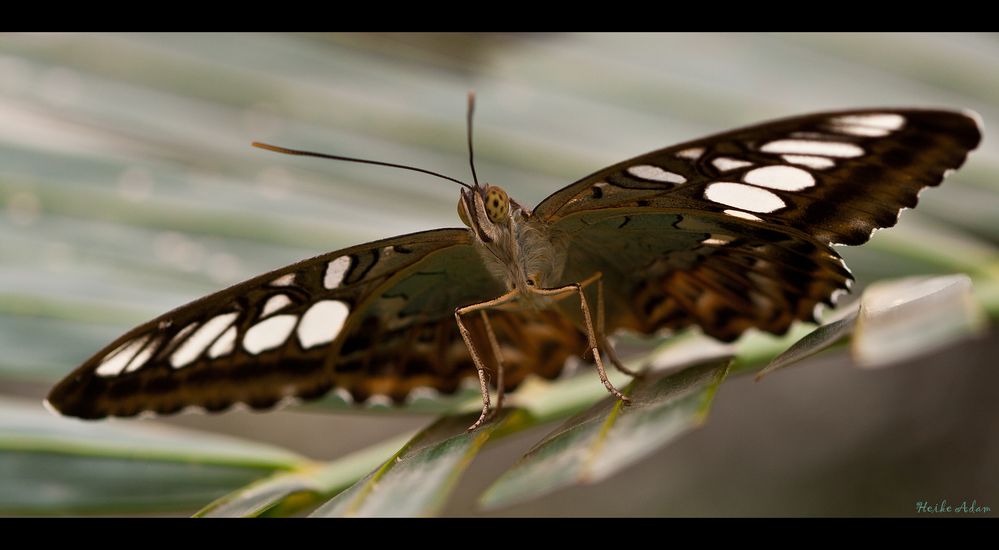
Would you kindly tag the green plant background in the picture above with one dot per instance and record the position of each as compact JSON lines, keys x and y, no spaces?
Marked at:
{"x":128,"y":187}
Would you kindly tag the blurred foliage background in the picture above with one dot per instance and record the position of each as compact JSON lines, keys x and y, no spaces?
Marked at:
{"x":128,"y":187}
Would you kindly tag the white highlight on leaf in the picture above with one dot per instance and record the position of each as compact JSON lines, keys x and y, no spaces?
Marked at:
{"x":193,"y":347}
{"x":269,"y":333}
{"x":782,"y":178}
{"x":884,"y":121}
{"x":275,"y":303}
{"x":119,"y":358}
{"x":655,"y":173}
{"x":285,"y":280}
{"x":335,"y":272}
{"x":725,"y":164}
{"x":322,"y":323}
{"x":743,"y":215}
{"x":139,"y":360}
{"x":693,"y":153}
{"x":225,"y":344}
{"x":819,"y":163}
{"x":743,"y":196}
{"x":808,"y":147}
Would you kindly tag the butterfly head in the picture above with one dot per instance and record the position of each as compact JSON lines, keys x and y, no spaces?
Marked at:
{"x":485,"y":210}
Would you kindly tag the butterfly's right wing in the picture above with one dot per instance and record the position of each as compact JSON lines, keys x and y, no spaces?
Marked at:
{"x":734,"y":231}
{"x":372,"y":319}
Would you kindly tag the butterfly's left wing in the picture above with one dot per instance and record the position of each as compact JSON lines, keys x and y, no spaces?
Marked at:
{"x":374,"y":319}
{"x":733,"y":231}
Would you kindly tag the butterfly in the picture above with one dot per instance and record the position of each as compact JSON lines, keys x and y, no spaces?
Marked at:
{"x":728,"y":232}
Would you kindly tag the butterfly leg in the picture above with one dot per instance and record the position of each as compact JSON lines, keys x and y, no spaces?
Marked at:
{"x":611,"y":354}
{"x":498,"y":355}
{"x":479,"y":365}
{"x":590,"y":333}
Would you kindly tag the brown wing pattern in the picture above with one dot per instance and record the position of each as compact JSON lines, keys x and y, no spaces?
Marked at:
{"x":733,"y":231}
{"x":675,"y":268}
{"x":303,"y":330}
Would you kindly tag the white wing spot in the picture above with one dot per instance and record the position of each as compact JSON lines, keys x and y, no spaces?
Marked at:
{"x":379,"y":401}
{"x":322,"y":323}
{"x":193,"y":347}
{"x":693,"y":153}
{"x":743,"y":215}
{"x":274,"y":303}
{"x":855,"y":130}
{"x":285,"y":280}
{"x":655,"y":173}
{"x":808,"y":147}
{"x":139,"y":360}
{"x":725,"y":164}
{"x":119,"y":358}
{"x":781,"y":178}
{"x":744,"y":196}
{"x":269,"y":333}
{"x":423,"y":393}
{"x":819,"y":163}
{"x":717,"y":240}
{"x":225,"y":344}
{"x":884,"y":121}
{"x":344,"y":395}
{"x":335,"y":272}
{"x":818,"y":312}
{"x":837,"y":294}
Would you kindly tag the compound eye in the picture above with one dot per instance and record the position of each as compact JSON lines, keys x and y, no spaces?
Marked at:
{"x":497,"y":204}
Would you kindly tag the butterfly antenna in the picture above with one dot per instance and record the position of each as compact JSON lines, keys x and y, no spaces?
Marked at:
{"x":299,"y":152}
{"x":471,"y":111}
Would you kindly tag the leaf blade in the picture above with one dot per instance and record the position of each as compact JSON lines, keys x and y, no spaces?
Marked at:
{"x":54,"y":465}
{"x":903,"y":318}
{"x":289,"y":492}
{"x":417,"y":480}
{"x":608,"y":437}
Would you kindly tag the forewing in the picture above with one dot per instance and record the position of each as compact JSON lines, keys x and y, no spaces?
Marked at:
{"x":375,"y":318}
{"x":834,"y":176}
{"x":733,"y":231}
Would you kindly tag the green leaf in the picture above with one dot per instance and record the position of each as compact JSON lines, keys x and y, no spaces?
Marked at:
{"x":609,"y":437}
{"x":54,"y":465}
{"x":819,"y":339}
{"x":419,"y":478}
{"x":287,"y":492}
{"x":904,"y":318}
{"x":895,"y":320}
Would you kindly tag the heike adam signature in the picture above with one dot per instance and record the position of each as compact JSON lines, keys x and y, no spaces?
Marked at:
{"x":944,"y":507}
